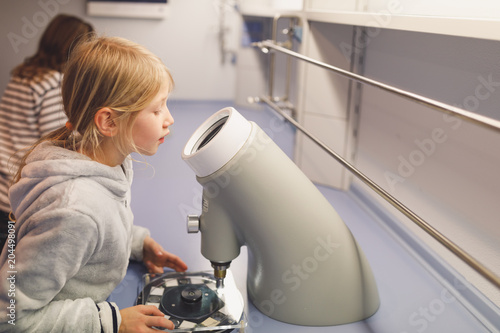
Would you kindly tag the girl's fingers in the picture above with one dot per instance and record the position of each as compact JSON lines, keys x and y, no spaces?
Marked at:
{"x":157,"y":321}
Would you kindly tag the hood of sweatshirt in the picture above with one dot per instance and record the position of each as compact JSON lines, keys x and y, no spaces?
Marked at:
{"x":49,"y":165}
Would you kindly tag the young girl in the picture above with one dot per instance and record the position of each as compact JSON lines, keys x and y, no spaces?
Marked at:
{"x":74,"y":233}
{"x":31,"y":104}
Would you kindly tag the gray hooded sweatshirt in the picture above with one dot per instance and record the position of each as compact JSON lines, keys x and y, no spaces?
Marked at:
{"x":74,"y":236}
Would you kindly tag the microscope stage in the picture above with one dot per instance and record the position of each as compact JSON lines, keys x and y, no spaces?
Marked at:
{"x":193,"y":302}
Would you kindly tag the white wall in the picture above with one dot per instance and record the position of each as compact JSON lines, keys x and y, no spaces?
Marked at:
{"x":187,"y":40}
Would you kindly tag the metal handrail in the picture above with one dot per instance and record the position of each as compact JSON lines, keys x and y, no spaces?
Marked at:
{"x":487,"y":122}
{"x":463,"y":114}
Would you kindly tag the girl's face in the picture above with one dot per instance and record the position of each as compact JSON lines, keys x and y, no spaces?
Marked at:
{"x":151,"y":125}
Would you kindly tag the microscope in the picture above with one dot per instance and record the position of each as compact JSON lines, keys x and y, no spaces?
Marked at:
{"x":304,"y":265}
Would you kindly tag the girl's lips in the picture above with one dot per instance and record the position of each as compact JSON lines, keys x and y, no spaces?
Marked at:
{"x":163,"y":138}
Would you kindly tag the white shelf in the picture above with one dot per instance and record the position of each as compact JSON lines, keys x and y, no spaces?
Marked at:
{"x":263,"y":12}
{"x":464,"y":27}
{"x":453,"y":26}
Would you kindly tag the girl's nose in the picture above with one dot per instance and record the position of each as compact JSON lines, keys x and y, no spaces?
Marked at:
{"x":169,"y":120}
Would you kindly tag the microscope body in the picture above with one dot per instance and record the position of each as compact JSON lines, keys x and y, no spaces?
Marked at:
{"x":304,"y":265}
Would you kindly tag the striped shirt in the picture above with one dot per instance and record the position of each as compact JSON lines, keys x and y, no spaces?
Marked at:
{"x":28,"y":111}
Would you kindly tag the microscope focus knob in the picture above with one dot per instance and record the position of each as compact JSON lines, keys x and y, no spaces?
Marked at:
{"x":193,"y":224}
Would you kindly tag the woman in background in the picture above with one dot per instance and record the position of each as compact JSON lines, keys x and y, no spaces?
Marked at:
{"x":31,"y":105}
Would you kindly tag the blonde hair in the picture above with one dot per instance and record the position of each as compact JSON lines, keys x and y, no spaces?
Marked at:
{"x":109,"y":72}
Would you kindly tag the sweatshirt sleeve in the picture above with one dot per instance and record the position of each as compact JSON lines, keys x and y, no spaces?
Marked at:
{"x":39,"y":291}
{"x":109,"y":317}
{"x":139,"y":234}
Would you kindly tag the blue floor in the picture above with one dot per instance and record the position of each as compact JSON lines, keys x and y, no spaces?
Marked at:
{"x":165,"y":191}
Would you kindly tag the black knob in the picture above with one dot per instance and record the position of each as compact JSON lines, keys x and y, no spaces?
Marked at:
{"x":191,"y":295}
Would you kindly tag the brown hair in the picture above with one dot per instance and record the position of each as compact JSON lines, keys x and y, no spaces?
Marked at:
{"x":54,"y":47}
{"x":109,"y":72}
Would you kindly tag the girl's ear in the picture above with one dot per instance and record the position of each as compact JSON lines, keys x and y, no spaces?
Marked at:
{"x":105,"y":122}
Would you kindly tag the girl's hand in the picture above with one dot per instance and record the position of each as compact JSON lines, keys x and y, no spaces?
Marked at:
{"x":155,"y":258}
{"x":141,"y":318}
